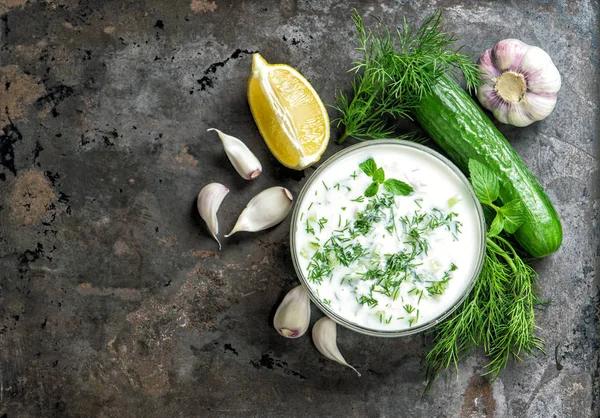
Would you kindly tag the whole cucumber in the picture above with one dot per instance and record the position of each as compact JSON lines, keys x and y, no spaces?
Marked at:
{"x":459,"y":126}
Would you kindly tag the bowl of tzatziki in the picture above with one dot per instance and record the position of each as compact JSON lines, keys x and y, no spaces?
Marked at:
{"x":388,"y":237}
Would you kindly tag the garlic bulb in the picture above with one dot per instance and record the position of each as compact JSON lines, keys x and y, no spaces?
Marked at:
{"x":324,"y":336}
{"x":293,"y":314}
{"x":520,"y":82}
{"x":266,"y":209}
{"x":242,"y":159}
{"x":208,"y":202}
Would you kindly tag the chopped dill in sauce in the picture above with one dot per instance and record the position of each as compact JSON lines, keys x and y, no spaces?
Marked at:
{"x":382,"y":258}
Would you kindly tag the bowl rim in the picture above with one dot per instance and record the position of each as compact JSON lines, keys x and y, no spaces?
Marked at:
{"x":338,"y":318}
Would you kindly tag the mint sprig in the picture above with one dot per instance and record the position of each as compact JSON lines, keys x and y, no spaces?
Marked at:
{"x":508,"y":217}
{"x":393,"y":186}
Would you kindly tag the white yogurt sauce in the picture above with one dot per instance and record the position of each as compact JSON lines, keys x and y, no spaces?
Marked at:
{"x":388,"y":262}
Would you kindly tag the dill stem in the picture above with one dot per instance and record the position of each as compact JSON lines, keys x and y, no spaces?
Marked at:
{"x":343,"y":137}
{"x":505,"y":242}
{"x":501,"y":252}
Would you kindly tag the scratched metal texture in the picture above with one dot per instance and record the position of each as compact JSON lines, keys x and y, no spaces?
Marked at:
{"x":114,"y":301}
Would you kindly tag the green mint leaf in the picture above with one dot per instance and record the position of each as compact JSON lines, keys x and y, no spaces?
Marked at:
{"x":497,"y":225}
{"x":379,"y":175}
{"x":513,"y":215}
{"x":397,"y":187}
{"x":484,"y":181}
{"x":372,"y":189}
{"x":368,"y":167}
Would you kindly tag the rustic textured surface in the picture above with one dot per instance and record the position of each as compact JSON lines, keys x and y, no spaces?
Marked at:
{"x":113,"y":301}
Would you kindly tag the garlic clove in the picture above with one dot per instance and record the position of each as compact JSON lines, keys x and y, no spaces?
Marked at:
{"x":487,"y":96}
{"x":324,"y":336}
{"x":517,"y":115}
{"x":208,"y":202}
{"x":489,"y":99}
{"x":539,"y":106}
{"x":242,"y":159}
{"x":489,"y":71}
{"x":542,"y":75}
{"x":265,"y":210}
{"x":508,"y":53}
{"x":293,"y":314}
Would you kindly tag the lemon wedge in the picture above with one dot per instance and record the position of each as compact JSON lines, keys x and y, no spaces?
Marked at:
{"x":288,"y":112}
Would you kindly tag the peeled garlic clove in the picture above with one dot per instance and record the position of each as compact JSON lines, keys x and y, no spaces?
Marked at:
{"x":208,"y":202}
{"x":293,"y":314}
{"x":520,"y":82}
{"x":324,"y":335}
{"x":242,"y":159}
{"x":266,"y":209}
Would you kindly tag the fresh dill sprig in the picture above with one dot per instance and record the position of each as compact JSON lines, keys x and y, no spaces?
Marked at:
{"x":395,"y":72}
{"x":498,"y":315}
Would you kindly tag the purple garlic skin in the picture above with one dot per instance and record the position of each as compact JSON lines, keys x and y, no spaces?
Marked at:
{"x":520,"y":83}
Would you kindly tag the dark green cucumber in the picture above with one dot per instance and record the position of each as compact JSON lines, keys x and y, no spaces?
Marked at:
{"x":459,"y":126}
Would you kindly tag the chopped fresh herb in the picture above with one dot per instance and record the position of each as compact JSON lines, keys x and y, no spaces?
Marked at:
{"x":309,"y":229}
{"x":371,"y":303}
{"x":322,"y":223}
